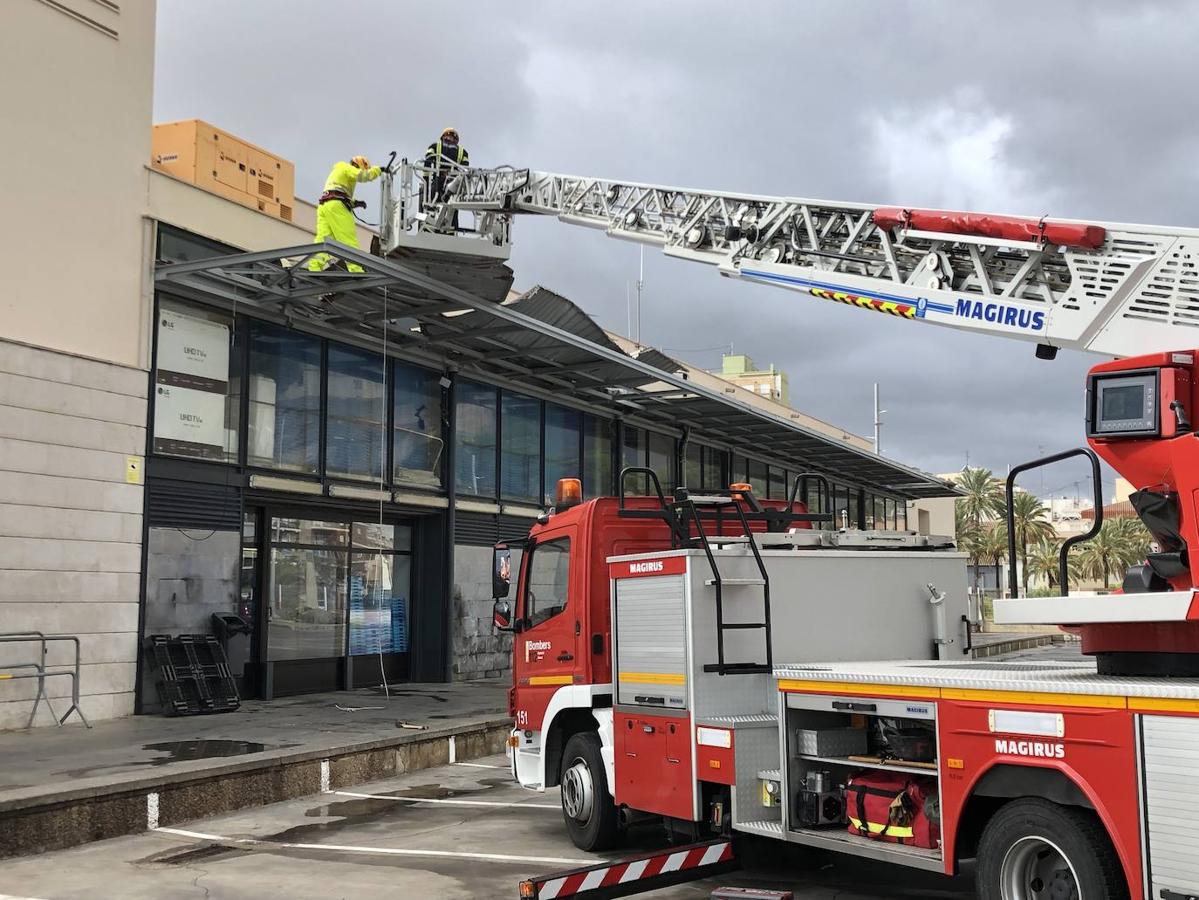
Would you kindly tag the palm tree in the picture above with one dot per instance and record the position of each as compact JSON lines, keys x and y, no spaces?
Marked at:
{"x":1030,"y":518}
{"x":1043,"y":559}
{"x":982,"y":501}
{"x":1119,"y":544}
{"x":983,"y":495}
{"x":992,"y":548}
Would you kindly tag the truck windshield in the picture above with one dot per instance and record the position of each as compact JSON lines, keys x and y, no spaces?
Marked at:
{"x":549,"y":575}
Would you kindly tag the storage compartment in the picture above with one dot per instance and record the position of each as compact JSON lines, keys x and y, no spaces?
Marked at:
{"x":831,"y":741}
{"x":863,"y":772}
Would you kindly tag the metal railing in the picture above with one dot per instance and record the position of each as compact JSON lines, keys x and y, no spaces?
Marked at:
{"x":41,"y":672}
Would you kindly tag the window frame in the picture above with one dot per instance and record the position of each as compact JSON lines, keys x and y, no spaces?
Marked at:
{"x":528,"y":621}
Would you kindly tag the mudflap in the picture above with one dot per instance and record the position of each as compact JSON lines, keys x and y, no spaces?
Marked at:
{"x":637,"y":874}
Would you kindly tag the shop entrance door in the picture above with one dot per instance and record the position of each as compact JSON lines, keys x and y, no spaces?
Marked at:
{"x":337,"y":602}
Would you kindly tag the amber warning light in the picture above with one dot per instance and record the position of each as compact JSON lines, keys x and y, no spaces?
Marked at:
{"x":568,"y":494}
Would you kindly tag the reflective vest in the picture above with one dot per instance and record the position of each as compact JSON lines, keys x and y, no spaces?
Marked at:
{"x":436,"y":154}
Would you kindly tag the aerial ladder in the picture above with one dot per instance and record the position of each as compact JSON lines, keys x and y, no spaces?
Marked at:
{"x":1114,"y":289}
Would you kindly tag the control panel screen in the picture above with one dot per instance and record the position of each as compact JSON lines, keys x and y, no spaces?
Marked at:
{"x":1124,"y":404}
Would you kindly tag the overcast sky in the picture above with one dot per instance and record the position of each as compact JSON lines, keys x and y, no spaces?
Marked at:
{"x":1073,"y":109}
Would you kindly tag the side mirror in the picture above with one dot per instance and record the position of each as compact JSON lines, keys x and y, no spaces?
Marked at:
{"x":501,"y":571}
{"x":501,"y":615}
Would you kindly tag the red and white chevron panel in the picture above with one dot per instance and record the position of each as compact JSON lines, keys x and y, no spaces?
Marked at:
{"x":646,"y":868}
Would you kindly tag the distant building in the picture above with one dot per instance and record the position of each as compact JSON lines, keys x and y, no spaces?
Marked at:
{"x":769,"y":382}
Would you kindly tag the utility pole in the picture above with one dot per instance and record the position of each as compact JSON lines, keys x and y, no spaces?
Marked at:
{"x":640,"y":285}
{"x":878,"y":423}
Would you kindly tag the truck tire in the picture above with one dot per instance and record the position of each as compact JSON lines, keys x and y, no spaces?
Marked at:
{"x":1036,"y":850}
{"x":587,"y":803}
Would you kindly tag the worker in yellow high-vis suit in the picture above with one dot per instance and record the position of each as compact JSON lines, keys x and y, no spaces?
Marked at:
{"x":335,"y":213}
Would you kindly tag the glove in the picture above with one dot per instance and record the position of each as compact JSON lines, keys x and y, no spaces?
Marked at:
{"x":359,"y":204}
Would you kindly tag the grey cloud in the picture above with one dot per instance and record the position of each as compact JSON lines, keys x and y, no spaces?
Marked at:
{"x":848,"y":100}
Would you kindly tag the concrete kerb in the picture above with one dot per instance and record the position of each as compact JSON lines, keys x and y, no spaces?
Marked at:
{"x":34,"y":821}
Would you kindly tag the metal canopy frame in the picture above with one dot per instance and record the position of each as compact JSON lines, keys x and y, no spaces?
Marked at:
{"x":540,"y":343}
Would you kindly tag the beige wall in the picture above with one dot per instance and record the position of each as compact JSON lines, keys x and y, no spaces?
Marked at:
{"x":72,"y":432}
{"x":76,"y":137}
{"x":934,"y":516}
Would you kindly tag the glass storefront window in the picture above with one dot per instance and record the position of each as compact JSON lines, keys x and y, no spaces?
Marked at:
{"x":285,"y":399}
{"x":355,"y":415}
{"x":662,"y":459}
{"x":475,"y":437}
{"x":561,"y":447}
{"x":693,"y":466}
{"x":520,"y":448}
{"x":756,"y":476}
{"x":416,"y":427}
{"x":632,"y":453}
{"x":373,"y":536}
{"x":880,"y":513}
{"x":197,"y":384}
{"x":855,"y":508}
{"x":713,"y":477}
{"x":597,"y":457}
{"x":307,"y":618}
{"x":777,"y":484}
{"x":308,"y":531}
{"x":379,"y":604}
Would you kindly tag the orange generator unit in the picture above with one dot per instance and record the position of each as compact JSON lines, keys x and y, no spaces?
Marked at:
{"x":219,"y":162}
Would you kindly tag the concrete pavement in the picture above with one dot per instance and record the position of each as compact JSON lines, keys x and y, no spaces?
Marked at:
{"x":458,"y":831}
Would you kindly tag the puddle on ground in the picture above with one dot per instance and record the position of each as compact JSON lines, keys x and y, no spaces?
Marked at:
{"x":176,"y":857}
{"x":362,"y":810}
{"x":179,"y":751}
{"x":470,"y":712}
{"x":436,"y":698}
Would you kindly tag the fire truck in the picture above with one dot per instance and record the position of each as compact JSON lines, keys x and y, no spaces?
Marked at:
{"x":711,"y":659}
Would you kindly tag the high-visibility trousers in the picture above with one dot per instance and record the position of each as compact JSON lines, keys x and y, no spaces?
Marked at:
{"x":334,"y":220}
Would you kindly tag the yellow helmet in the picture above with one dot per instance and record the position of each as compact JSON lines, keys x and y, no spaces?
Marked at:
{"x":449,"y":130}
{"x":360,"y":161}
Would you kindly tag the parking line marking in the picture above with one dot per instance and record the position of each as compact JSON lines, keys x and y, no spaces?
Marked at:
{"x":482,"y":766}
{"x":448,"y":801}
{"x":378,"y":851}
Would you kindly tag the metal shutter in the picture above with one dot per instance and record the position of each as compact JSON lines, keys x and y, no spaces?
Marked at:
{"x":1171,"y":761}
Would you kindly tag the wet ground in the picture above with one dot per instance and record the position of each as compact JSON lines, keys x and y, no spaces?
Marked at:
{"x":46,"y":761}
{"x":460,"y":831}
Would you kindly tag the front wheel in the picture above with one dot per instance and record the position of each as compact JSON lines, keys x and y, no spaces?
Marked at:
{"x":1036,"y":850}
{"x":587,"y":803}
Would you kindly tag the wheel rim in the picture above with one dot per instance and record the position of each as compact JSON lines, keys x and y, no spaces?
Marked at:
{"x":1035,"y":868}
{"x":578,"y":791}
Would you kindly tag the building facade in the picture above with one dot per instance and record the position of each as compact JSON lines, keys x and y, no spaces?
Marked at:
{"x":169,"y":464}
{"x":770,"y":382}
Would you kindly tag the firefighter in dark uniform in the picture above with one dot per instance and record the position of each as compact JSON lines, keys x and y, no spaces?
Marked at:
{"x":443,"y":156}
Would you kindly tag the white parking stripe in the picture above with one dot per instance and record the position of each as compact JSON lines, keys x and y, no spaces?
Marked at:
{"x":11,"y":897}
{"x":447,"y":801}
{"x":483,"y":766}
{"x":380,"y":851}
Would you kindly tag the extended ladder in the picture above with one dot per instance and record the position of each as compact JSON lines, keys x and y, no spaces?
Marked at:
{"x":1115,"y":289}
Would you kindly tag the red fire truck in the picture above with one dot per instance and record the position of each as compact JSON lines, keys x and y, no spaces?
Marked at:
{"x":699,"y":657}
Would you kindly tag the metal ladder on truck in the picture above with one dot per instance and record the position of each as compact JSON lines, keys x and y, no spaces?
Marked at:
{"x":1110,"y":288}
{"x":682,"y":514}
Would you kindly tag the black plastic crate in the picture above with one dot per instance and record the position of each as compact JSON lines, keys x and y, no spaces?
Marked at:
{"x":193,"y":674}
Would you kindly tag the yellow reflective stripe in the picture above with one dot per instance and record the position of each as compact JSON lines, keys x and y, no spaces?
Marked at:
{"x":1155,"y":704}
{"x":895,"y":831}
{"x":846,"y":687}
{"x":1017,"y":698}
{"x":650,"y":678}
{"x":1030,"y":698}
{"x":551,"y":679}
